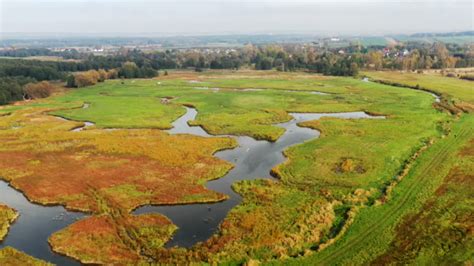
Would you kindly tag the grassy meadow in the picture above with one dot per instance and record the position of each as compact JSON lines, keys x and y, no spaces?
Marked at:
{"x":457,"y":91}
{"x":347,"y":197}
{"x":380,"y":229}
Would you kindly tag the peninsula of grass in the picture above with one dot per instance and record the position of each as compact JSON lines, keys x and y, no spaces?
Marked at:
{"x":7,"y":217}
{"x":12,"y":257}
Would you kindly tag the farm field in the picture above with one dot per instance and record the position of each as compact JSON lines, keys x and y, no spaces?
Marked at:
{"x":348,"y":196}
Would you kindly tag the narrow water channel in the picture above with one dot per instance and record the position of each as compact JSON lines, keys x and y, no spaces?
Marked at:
{"x":252,"y":159}
{"x":35,"y":224}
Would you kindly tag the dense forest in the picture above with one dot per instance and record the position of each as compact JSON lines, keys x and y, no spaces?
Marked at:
{"x":88,"y":69}
{"x":26,"y":52}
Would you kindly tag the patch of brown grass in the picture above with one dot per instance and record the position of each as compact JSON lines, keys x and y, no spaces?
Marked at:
{"x":7,"y":217}
{"x":106,"y":240}
{"x":12,"y":257}
{"x":107,"y":173}
{"x":52,"y":165}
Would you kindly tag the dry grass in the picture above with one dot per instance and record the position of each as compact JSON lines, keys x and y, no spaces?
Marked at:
{"x":52,"y":165}
{"x":107,"y":240}
{"x":12,"y":257}
{"x":7,"y":217}
{"x":107,"y":173}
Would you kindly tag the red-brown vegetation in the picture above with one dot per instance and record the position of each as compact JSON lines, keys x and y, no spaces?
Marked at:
{"x":107,"y":239}
{"x":7,"y":216}
{"x":107,"y":173}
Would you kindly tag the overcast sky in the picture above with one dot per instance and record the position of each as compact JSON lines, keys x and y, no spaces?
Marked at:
{"x":188,"y":17}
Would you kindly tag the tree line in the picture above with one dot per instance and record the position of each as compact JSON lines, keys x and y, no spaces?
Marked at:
{"x":341,"y":61}
{"x":23,"y":88}
{"x":18,"y":76}
{"x":128,"y":70}
{"x":338,"y":61}
{"x":133,"y":63}
{"x":27,"y":52}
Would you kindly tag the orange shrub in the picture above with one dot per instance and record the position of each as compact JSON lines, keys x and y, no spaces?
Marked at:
{"x":42,"y":89}
{"x":88,"y":78}
{"x":102,"y":75}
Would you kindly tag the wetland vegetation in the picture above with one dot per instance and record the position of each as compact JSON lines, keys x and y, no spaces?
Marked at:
{"x":236,"y":132}
{"x":346,"y":195}
{"x":7,"y":216}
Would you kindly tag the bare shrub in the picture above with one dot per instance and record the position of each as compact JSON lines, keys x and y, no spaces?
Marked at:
{"x":42,"y":89}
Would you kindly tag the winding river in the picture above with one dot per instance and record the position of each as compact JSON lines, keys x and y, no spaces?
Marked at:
{"x":252,"y":159}
{"x":197,"y":222}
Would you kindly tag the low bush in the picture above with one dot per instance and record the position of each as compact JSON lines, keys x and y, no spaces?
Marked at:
{"x":42,"y":89}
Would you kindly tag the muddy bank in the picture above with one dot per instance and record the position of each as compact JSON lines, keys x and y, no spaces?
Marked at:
{"x":86,"y":125}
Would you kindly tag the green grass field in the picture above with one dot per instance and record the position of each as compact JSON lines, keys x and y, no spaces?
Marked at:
{"x":459,"y":91}
{"x":373,"y":229}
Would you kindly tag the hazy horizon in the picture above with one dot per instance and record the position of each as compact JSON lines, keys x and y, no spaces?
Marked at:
{"x":212,"y":17}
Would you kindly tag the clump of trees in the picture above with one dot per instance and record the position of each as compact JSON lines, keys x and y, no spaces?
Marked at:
{"x":30,"y":68}
{"x":92,"y":77}
{"x":11,"y":88}
{"x":130,"y":70}
{"x":420,"y":56}
{"x":83,"y":79}
{"x":20,"y":88}
{"x":38,"y":90}
{"x":89,"y":78}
